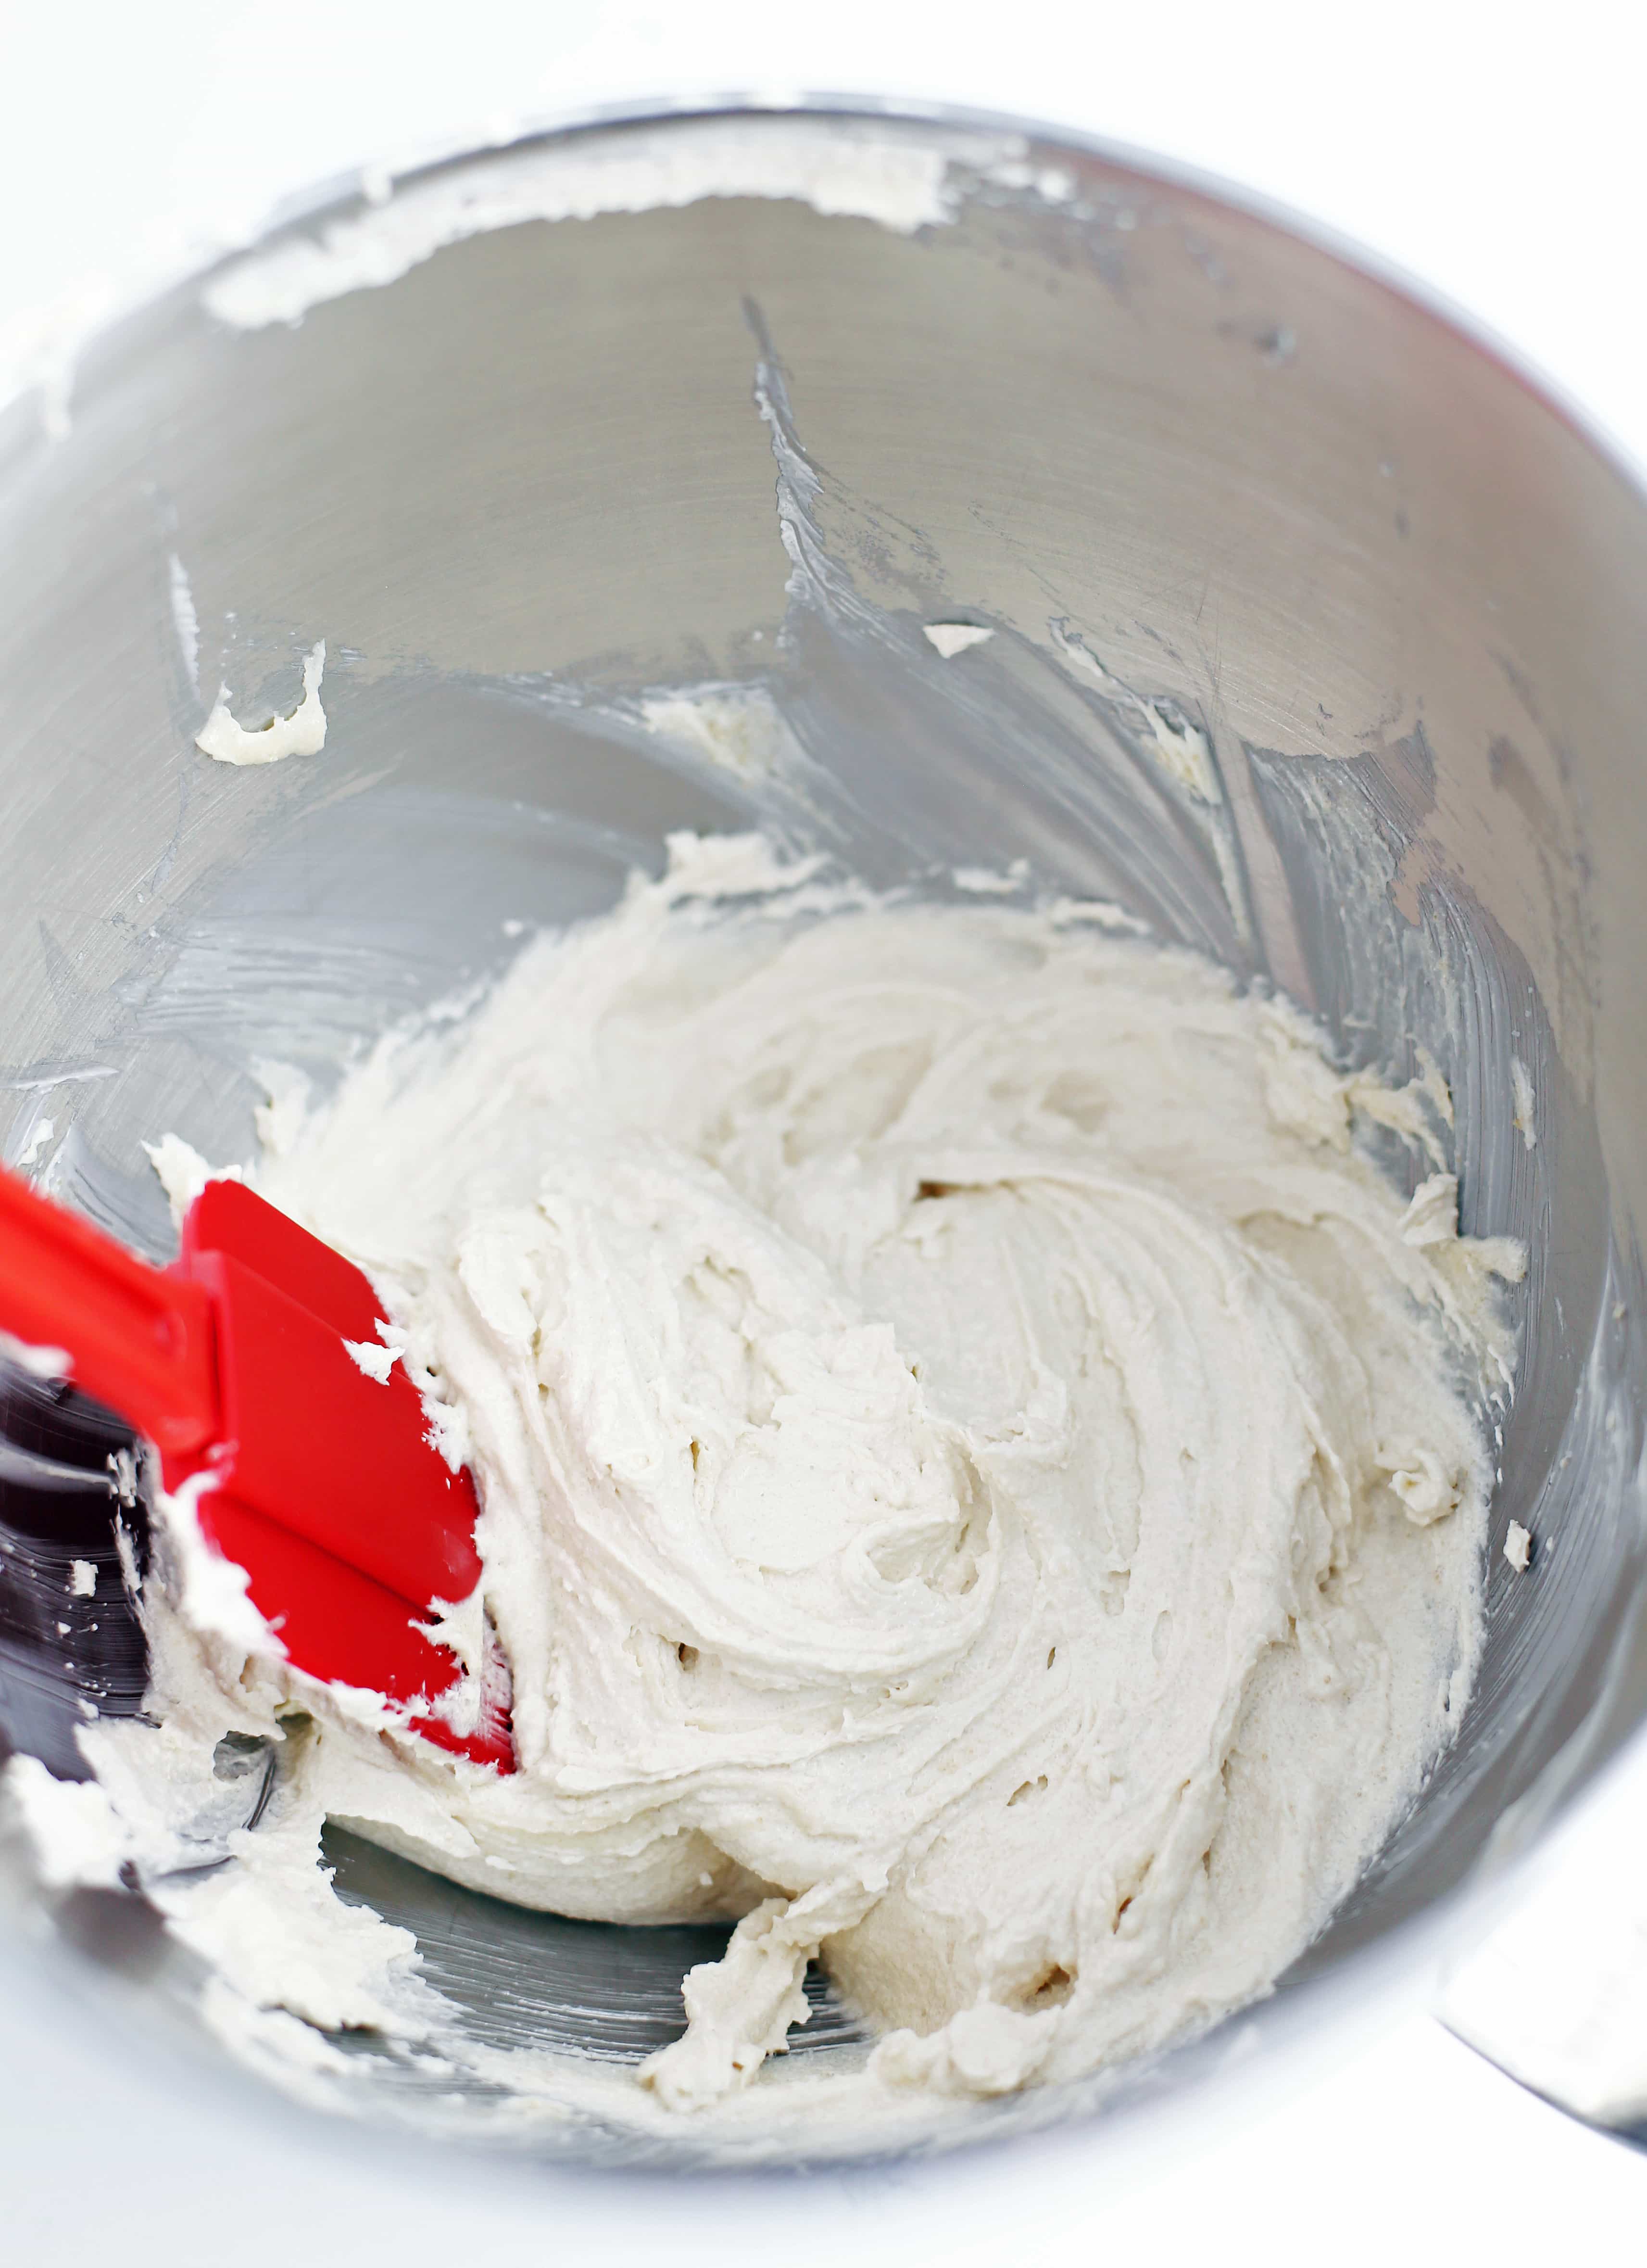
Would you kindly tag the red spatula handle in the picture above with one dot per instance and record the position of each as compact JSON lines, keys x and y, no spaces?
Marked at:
{"x":140,"y":1340}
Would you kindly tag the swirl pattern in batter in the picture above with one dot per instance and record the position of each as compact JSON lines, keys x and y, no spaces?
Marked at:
{"x":984,"y":1477}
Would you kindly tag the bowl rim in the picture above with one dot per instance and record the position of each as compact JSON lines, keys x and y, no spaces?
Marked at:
{"x":301,"y":210}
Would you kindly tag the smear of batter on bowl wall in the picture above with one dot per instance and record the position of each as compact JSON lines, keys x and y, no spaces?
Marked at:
{"x":302,"y":733}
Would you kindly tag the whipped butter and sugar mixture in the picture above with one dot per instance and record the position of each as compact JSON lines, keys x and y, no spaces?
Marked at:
{"x":983,"y":1476}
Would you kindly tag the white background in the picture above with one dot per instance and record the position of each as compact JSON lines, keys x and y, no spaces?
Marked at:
{"x":1496,"y":153}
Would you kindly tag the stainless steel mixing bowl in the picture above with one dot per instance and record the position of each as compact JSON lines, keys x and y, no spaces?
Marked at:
{"x":1317,"y":641}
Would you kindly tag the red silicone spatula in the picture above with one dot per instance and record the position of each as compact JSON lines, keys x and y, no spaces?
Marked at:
{"x":325,"y":1487}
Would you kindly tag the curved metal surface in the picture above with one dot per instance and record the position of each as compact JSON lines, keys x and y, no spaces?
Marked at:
{"x":1181,"y":460}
